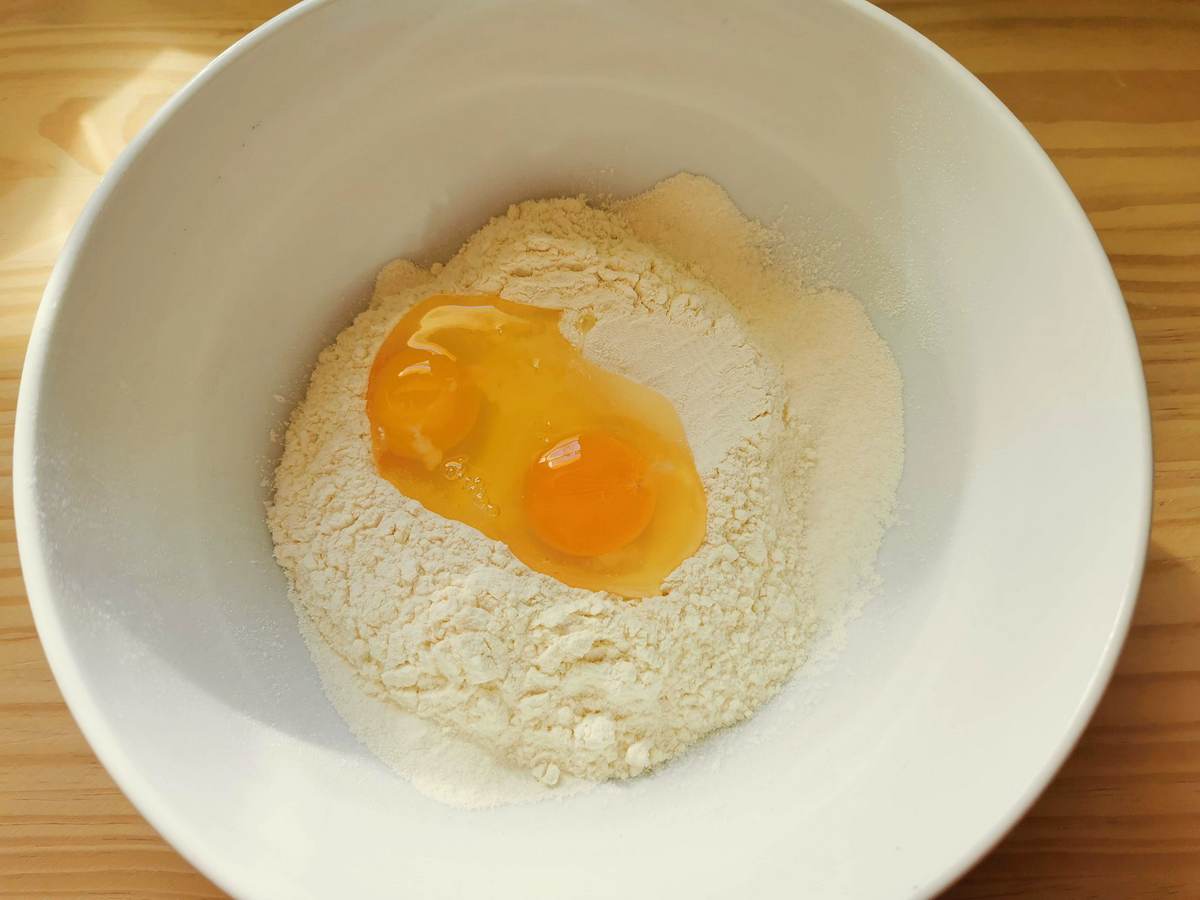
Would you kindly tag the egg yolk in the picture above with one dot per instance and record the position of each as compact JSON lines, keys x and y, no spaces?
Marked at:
{"x":423,"y":406}
{"x":481,"y":410}
{"x":588,"y":495}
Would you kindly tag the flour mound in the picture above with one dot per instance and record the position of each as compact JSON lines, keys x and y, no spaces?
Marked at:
{"x":438,"y":621}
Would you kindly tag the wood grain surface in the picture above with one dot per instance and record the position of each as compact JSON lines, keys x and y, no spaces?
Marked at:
{"x":1111,"y":88}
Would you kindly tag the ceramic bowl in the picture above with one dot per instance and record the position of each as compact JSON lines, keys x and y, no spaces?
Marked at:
{"x":237,"y":235}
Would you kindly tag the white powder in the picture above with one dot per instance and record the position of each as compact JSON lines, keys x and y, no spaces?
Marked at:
{"x":438,"y":763}
{"x":511,"y":671}
{"x":842,"y":381}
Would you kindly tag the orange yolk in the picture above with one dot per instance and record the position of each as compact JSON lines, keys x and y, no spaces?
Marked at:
{"x":423,"y":406}
{"x":588,"y":495}
{"x":481,"y":410}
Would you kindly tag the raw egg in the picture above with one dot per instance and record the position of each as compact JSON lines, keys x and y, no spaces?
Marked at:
{"x":481,"y":410}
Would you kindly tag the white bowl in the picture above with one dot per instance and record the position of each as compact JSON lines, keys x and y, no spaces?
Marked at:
{"x":234,"y":239}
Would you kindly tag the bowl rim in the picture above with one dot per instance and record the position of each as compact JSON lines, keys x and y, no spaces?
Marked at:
{"x":103,"y":740}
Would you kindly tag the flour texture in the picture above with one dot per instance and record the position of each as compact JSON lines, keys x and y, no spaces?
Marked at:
{"x":432,"y":619}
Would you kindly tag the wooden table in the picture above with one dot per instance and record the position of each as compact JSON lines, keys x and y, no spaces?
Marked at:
{"x":1111,"y":88}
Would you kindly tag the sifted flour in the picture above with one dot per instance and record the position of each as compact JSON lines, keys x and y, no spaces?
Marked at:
{"x":792,"y":408}
{"x":840,"y":376}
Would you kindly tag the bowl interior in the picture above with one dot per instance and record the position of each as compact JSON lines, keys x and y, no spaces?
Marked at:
{"x":239,"y":239}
